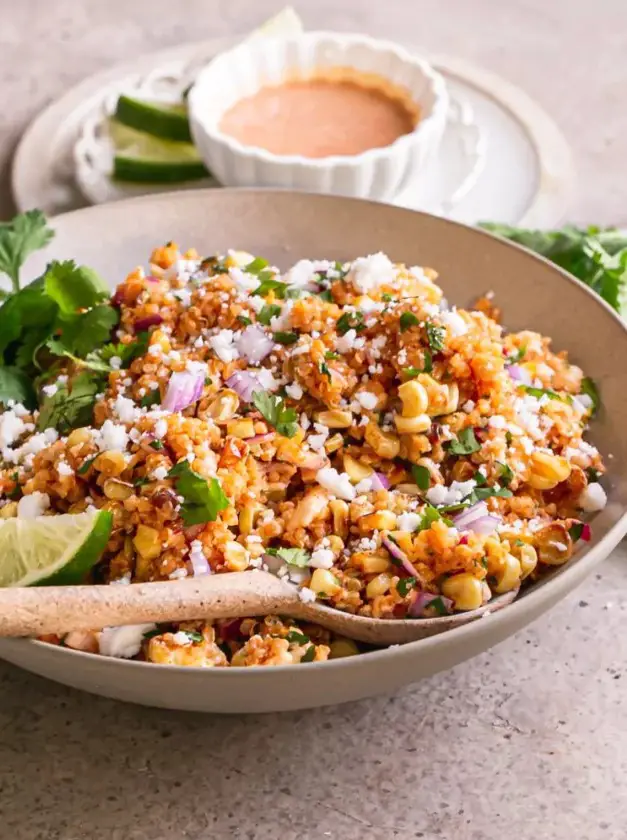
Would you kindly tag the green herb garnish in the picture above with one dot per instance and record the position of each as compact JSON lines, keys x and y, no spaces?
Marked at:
{"x":505,"y":473}
{"x":435,"y":336}
{"x":350,"y":321}
{"x":546,"y":392}
{"x":256,"y":266}
{"x":24,"y":234}
{"x":589,"y":388}
{"x":151,"y":398}
{"x":269,"y":284}
{"x":465,"y":444}
{"x":292,"y":556}
{"x":71,"y":406}
{"x":296,"y":638}
{"x":576,"y":530}
{"x":285,"y":338}
{"x":156,"y":444}
{"x":407,"y":320}
{"x":324,"y":368}
{"x":194,"y":635}
{"x":269,"y":311}
{"x":84,"y":467}
{"x":438,"y":606}
{"x":518,"y":356}
{"x":309,"y":654}
{"x":421,"y":476}
{"x":404,"y":585}
{"x":273,"y":409}
{"x":203,"y":500}
{"x":245,"y":320}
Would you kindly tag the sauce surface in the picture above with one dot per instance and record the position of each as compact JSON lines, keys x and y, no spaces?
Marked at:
{"x":320,"y":117}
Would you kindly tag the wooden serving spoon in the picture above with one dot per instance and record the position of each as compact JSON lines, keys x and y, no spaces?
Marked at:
{"x":37,"y":611}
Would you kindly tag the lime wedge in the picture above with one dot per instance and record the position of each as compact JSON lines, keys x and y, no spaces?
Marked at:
{"x":140,"y":157}
{"x":168,"y":121}
{"x":52,"y":549}
{"x":286,"y":22}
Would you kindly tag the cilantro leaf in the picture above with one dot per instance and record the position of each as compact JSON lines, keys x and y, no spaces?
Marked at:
{"x":285,"y":338}
{"x":269,"y":311}
{"x":245,"y":320}
{"x":576,"y":530}
{"x":294,"y":637}
{"x":292,"y":556}
{"x":545,"y":392}
{"x":421,"y":476}
{"x":438,"y":606}
{"x":465,"y":444}
{"x":407,"y":320}
{"x":72,"y":405}
{"x":430,"y":515}
{"x":309,"y":655}
{"x":518,"y":356}
{"x":256,"y":266}
{"x":84,"y":467}
{"x":127,"y":352}
{"x":269,"y":284}
{"x":203,"y":500}
{"x":16,"y":385}
{"x":589,"y":388}
{"x":82,"y":334}
{"x":151,"y":398}
{"x":73,"y":287}
{"x":350,"y":321}
{"x":24,"y":234}
{"x":194,"y":635}
{"x":480,"y":494}
{"x":435,"y":336}
{"x":505,"y":473}
{"x":28,"y":316}
{"x":273,"y":409}
{"x":404,"y":585}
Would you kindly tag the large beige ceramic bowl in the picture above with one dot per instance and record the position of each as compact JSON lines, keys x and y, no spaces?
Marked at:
{"x":284,"y":227}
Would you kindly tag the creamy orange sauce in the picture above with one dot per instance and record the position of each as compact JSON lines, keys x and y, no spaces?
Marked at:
{"x":322,"y":116}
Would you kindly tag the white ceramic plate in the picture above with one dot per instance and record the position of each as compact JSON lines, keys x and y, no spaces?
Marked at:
{"x":285,"y":227}
{"x":502,"y":158}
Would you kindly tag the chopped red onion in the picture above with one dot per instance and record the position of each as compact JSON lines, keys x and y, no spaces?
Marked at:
{"x":230,"y":631}
{"x":399,"y":555}
{"x":244,"y":383}
{"x":199,"y":564}
{"x":254,"y":344}
{"x":477,"y":518}
{"x":184,"y":388}
{"x":260,"y":438}
{"x":380,"y":481}
{"x":515,"y":372}
{"x":422,"y":601}
{"x":149,"y":321}
{"x":586,"y":533}
{"x":152,"y":279}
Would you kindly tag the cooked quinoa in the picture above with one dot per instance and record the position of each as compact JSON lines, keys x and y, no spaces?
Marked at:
{"x":339,"y":425}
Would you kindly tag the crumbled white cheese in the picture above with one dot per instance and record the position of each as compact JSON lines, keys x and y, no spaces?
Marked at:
{"x":497,"y":421}
{"x":223,"y":347}
{"x":337,"y":483}
{"x":115,"y":362}
{"x":123,"y":642}
{"x":126,"y":409}
{"x":367,"y":400}
{"x":50,"y":390}
{"x":346,"y":342}
{"x":33,"y":505}
{"x":593,"y":498}
{"x":243,"y":281}
{"x":63,"y":468}
{"x":181,"y":638}
{"x":364,"y":486}
{"x":11,"y":427}
{"x":112,"y":437}
{"x":267,"y":380}
{"x":370,"y":272}
{"x":159,"y":473}
{"x":161,"y":428}
{"x":322,"y":558}
{"x":442,"y":495}
{"x":306,"y":595}
{"x":368,"y":305}
{"x":408,"y":521}
{"x":454,"y":323}
{"x":300,"y":274}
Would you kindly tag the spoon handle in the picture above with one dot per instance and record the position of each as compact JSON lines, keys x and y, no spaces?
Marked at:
{"x":37,"y":611}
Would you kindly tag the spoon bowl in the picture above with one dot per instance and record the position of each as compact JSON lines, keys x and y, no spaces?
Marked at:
{"x":38,"y":611}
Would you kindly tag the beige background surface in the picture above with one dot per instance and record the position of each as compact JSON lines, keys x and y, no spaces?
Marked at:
{"x":527,"y":741}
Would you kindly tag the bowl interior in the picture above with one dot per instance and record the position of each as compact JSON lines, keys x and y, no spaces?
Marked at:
{"x":285,"y":227}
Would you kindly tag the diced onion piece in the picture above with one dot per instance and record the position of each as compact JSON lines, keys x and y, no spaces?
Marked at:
{"x":184,"y":388}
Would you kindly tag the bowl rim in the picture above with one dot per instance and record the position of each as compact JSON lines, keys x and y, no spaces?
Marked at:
{"x":201,"y":89}
{"x":552,"y":588}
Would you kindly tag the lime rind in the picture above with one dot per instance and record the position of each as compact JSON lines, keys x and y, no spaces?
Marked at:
{"x":159,"y":119}
{"x":52,"y":549}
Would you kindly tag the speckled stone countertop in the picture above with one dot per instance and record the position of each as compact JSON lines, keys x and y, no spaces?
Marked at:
{"x":527,"y":741}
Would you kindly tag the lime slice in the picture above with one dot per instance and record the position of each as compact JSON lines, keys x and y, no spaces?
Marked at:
{"x":52,"y":549}
{"x":140,"y":157}
{"x":286,"y":22}
{"x":168,"y":121}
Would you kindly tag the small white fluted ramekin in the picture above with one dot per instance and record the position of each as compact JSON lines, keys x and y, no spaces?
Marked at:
{"x":377,"y":173}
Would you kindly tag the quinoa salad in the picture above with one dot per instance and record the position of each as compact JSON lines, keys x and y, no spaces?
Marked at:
{"x":340,"y":425}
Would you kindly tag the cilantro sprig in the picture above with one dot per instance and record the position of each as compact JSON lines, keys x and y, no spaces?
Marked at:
{"x":274,"y":410}
{"x":465,"y":444}
{"x":19,"y":238}
{"x":203,"y":500}
{"x":292,"y":556}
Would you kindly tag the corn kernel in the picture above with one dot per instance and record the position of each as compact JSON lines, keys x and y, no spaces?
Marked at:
{"x":385,"y":444}
{"x":323,"y":582}
{"x":414,"y":397}
{"x":339,"y":511}
{"x":373,"y":564}
{"x":381,"y":520}
{"x":553,"y":544}
{"x":335,"y":419}
{"x":247,"y":518}
{"x":464,"y":590}
{"x":412,"y":425}
{"x":8,"y":511}
{"x":223,"y":407}
{"x":547,"y":471}
{"x":356,"y":470}
{"x":528,"y":557}
{"x":508,"y":576}
{"x":378,"y":585}
{"x":78,"y":436}
{"x":147,"y":542}
{"x":110,"y":463}
{"x":336,"y":544}
{"x":235,"y":556}
{"x":343,"y":647}
{"x":334,"y":443}
{"x":244,"y":428}
{"x":119,"y":490}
